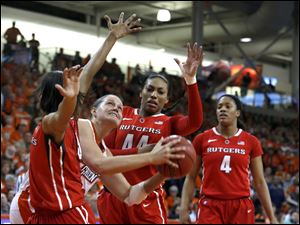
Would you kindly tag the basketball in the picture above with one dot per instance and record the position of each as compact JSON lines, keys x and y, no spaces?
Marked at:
{"x":185,"y":164}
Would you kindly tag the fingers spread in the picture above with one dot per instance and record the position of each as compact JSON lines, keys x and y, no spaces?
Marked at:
{"x":130,"y":19}
{"x":189,"y":49}
{"x":121,"y":17}
{"x":108,"y":20}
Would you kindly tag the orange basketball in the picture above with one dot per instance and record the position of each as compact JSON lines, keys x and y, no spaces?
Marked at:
{"x":185,"y":164}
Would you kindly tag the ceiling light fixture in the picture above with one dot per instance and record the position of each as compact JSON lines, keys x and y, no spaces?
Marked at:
{"x":246,"y":39}
{"x":163,"y":15}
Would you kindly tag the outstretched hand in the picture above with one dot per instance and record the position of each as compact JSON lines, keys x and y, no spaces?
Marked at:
{"x":121,"y":29}
{"x":194,"y":59}
{"x":71,"y":82}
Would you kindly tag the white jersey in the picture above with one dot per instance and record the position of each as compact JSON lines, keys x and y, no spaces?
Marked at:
{"x":89,"y":177}
{"x":22,"y":182}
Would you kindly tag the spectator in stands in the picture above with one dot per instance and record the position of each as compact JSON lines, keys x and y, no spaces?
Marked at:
{"x":11,"y":34}
{"x":163,"y":71}
{"x":59,"y":61}
{"x":4,"y":204}
{"x":276,"y":192}
{"x":115,"y":70}
{"x":86,"y":59}
{"x":173,"y":200}
{"x":34,"y":49}
{"x":77,"y":59}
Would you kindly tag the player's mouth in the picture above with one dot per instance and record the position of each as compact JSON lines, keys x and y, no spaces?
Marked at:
{"x":152,"y":104}
{"x":115,"y":114}
{"x":223,"y":116}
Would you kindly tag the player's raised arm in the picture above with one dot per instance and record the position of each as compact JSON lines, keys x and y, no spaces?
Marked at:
{"x":56,"y":122}
{"x":189,"y":124}
{"x":116,"y":31}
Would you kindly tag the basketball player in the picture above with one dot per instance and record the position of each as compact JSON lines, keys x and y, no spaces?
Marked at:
{"x":227,"y":153}
{"x":147,"y":125}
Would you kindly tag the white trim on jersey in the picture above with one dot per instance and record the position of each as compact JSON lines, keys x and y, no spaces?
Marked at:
{"x":136,"y":112}
{"x":86,"y":213}
{"x":52,"y":175}
{"x":63,"y":179}
{"x":159,"y":206}
{"x":236,"y":134}
{"x":82,"y":216}
{"x":30,"y":206}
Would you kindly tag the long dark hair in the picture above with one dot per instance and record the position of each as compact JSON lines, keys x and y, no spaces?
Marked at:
{"x":50,"y":97}
{"x":239,"y":106}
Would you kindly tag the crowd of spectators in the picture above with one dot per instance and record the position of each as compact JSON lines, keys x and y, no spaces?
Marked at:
{"x":279,"y":136}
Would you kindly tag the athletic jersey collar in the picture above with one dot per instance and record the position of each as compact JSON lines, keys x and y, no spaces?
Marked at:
{"x":136,"y":112}
{"x":236,"y":134}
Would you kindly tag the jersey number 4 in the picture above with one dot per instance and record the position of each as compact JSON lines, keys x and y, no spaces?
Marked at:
{"x":225,"y":165}
{"x":128,"y":142}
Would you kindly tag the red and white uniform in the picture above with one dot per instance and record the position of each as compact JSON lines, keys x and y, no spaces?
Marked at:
{"x":21,"y":208}
{"x":56,"y":191}
{"x":136,"y":131}
{"x":226,"y":182}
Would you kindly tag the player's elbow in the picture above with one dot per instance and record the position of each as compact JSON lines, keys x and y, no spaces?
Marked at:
{"x":95,"y":164}
{"x":259,"y":183}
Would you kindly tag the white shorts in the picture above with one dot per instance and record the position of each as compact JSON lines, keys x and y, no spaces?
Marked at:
{"x":14,"y":212}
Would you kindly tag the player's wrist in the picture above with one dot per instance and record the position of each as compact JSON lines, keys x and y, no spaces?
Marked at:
{"x":190,"y":80}
{"x":112,"y":36}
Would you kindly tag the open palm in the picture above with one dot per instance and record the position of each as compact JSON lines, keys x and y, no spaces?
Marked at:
{"x":121,"y":29}
{"x":71,"y":82}
{"x":194,"y":59}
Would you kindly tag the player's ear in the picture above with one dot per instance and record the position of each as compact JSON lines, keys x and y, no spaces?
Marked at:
{"x":93,"y":111}
{"x":166,"y":101}
{"x":238,"y":113}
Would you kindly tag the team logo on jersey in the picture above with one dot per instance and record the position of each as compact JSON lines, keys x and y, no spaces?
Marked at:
{"x":158,"y":122}
{"x":33,"y":141}
{"x":146,"y":205}
{"x":211,"y":140}
{"x":241,"y":143}
{"x":88,"y":174}
{"x":142,"y":120}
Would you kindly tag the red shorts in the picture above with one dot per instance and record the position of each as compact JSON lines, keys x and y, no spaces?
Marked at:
{"x":79,"y":215}
{"x":24,"y":206}
{"x":113,"y":211}
{"x":213,"y":211}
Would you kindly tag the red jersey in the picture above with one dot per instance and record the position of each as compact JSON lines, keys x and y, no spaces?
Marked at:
{"x":137,"y":131}
{"x":54,"y":171}
{"x":226,"y":163}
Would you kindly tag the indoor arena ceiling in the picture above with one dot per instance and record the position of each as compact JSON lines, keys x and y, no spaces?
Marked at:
{"x":266,"y":22}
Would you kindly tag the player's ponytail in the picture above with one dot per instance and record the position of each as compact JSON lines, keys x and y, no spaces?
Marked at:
{"x":50,"y":97}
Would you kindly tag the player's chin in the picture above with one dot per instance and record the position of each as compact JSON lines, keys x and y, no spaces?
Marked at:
{"x":115,"y":122}
{"x":224,"y":121}
{"x":152,"y":110}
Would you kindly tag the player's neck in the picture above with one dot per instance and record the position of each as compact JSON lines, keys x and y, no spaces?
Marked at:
{"x":101,"y":129}
{"x":227,"y":131}
{"x":143,"y":113}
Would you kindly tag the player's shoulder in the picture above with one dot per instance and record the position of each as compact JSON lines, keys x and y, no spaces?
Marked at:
{"x":127,"y":110}
{"x":204,"y":135}
{"x":248,"y":135}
